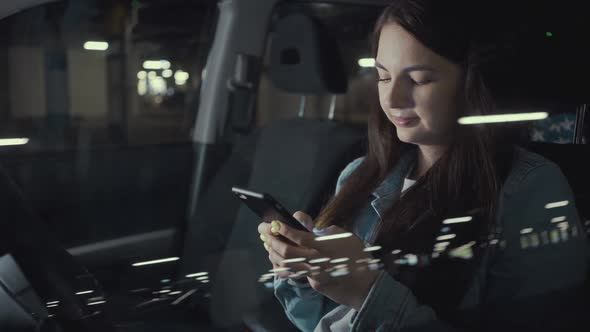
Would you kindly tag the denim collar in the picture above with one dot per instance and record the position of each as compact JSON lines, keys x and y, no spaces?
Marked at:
{"x":394,"y":180}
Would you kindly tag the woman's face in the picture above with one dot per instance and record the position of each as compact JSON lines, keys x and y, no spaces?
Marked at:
{"x":417,"y":88}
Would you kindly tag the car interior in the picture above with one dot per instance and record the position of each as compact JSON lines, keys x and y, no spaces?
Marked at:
{"x":119,"y":214}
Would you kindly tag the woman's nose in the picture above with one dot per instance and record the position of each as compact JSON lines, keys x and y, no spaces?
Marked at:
{"x":399,"y":96}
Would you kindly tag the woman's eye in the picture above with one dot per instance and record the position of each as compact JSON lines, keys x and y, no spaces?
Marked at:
{"x":384,"y":79}
{"x":420,"y":81}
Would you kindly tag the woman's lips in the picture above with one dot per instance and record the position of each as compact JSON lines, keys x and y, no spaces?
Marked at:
{"x":404,"y":121}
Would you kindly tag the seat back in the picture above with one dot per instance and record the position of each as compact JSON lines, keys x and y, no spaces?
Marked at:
{"x":574,"y":164}
{"x":216,"y":212}
{"x":298,"y":162}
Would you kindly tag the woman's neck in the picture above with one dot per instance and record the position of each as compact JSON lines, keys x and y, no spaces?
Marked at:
{"x":427,"y":156}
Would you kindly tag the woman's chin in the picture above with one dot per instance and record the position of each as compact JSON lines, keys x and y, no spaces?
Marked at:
{"x":407,"y":137}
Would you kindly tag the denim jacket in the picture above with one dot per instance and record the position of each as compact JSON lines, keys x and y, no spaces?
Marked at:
{"x":527,"y":285}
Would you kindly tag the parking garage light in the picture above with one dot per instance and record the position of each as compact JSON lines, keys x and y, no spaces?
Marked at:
{"x":558,"y":219}
{"x":446,"y":237}
{"x":156,"y":64}
{"x":182,"y":298}
{"x":13,"y":141}
{"x":167,"y":73}
{"x":556,"y":204}
{"x":333,"y":237}
{"x":366,"y":62}
{"x":319,"y":260}
{"x":97,"y":302}
{"x":340,"y":260}
{"x":294,"y":260}
{"x":442,"y":244}
{"x":373,"y":248}
{"x":96,"y":46}
{"x":500,"y":118}
{"x":181,"y":75}
{"x":156,"y":261}
{"x":457,"y":220}
{"x":198,"y":274}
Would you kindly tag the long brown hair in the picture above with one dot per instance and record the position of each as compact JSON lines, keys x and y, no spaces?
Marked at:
{"x":466,"y":178}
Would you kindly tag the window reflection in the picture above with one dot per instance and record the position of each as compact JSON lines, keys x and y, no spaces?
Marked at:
{"x":85,"y":73}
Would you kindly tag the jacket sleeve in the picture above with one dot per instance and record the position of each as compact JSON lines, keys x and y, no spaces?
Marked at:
{"x":302,"y":304}
{"x":534,"y":283}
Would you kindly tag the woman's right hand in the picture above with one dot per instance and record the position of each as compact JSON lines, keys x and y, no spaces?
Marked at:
{"x":279,"y":249}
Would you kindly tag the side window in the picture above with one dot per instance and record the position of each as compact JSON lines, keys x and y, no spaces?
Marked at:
{"x":558,"y":128}
{"x":78,"y":74}
{"x":98,"y":100}
{"x":351,"y":27}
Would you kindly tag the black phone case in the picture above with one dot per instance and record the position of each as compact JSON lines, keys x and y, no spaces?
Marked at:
{"x":267,"y":208}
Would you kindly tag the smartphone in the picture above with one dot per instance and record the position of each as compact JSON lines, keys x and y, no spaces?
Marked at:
{"x":267,"y":208}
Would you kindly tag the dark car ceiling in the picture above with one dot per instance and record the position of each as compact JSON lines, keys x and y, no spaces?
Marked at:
{"x":181,"y":27}
{"x":171,"y":19}
{"x":541,"y":50}
{"x":527,"y":61}
{"x":544,"y":51}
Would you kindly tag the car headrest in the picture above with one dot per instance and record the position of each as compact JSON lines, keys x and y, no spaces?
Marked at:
{"x":304,"y":59}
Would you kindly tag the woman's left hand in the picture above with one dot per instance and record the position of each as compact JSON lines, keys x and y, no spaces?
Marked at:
{"x":350,"y":289}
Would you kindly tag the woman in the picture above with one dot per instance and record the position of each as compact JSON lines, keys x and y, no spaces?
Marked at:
{"x":471,"y":234}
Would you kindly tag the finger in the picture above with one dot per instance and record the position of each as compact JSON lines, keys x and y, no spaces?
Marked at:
{"x":333,"y":229}
{"x":318,"y":281}
{"x":264,"y":228}
{"x":275,"y":258}
{"x":304,"y":219}
{"x":320,"y":272}
{"x":300,"y":238}
{"x":268,"y":238}
{"x":294,"y":264}
{"x":289,"y":251}
{"x":293,"y":270}
{"x":281,"y":274}
{"x":281,"y":262}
